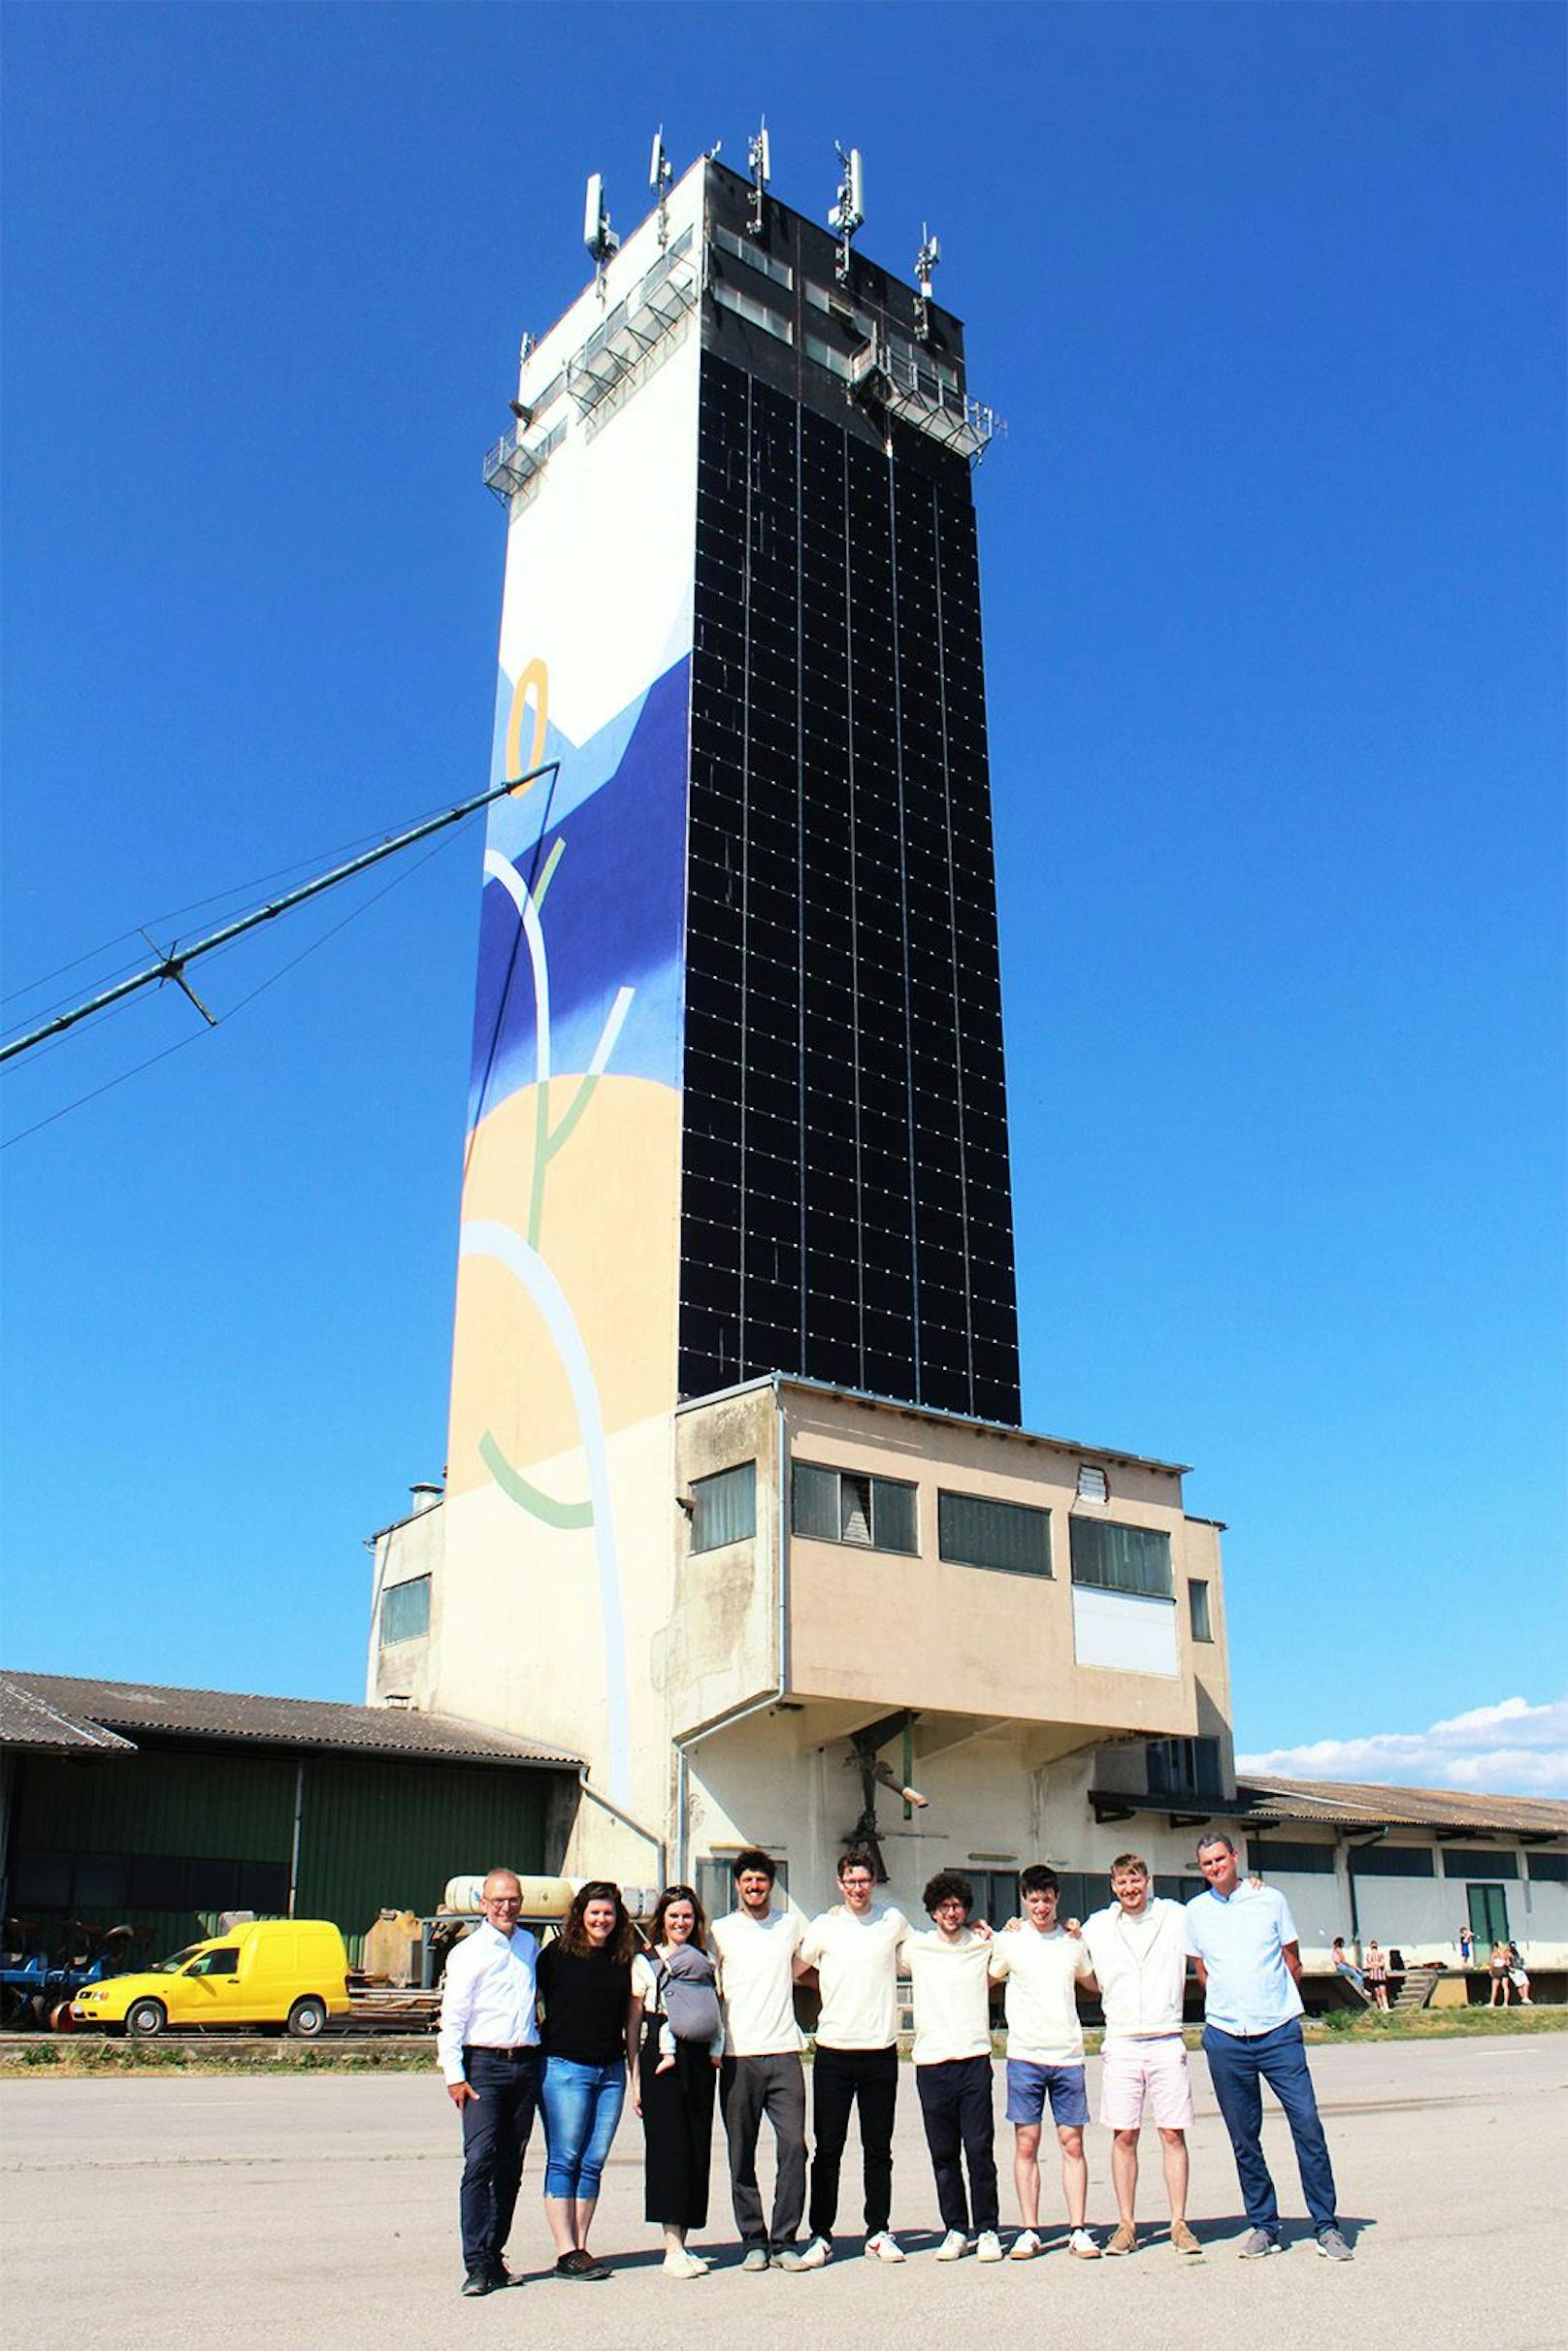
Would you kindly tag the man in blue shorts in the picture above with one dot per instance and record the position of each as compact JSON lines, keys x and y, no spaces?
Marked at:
{"x":1039,"y":1963}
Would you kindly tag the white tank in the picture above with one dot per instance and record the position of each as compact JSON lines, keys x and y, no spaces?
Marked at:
{"x":542,"y":1897}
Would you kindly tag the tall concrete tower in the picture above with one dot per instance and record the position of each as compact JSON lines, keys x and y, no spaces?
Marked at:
{"x":737,"y":1099}
{"x":735,"y":1496}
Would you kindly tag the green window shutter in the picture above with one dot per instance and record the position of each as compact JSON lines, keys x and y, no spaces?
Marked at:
{"x":1115,"y":1558}
{"x":814,"y":1502}
{"x":893,"y":1516}
{"x":979,"y":1533}
{"x":724,"y":1508}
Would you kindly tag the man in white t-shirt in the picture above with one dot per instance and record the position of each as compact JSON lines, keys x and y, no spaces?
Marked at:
{"x":757,"y":1952}
{"x":1040,"y":1964}
{"x":949,"y":1970}
{"x":854,"y":1948}
{"x":1137,"y":1947}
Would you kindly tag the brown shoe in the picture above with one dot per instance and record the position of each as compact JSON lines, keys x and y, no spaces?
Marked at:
{"x":1126,"y":2239}
{"x":1183,"y":2239}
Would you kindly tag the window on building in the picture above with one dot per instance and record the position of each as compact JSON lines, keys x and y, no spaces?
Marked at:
{"x":1550,"y":1869}
{"x":1184,"y":1767}
{"x":757,"y":314}
{"x":1092,"y":1483}
{"x":103,"y":1881}
{"x":724,"y":1508}
{"x":1478,"y":1861}
{"x":41,"y":1881}
{"x":406,"y":1611}
{"x":845,"y":1506}
{"x":1277,"y":1856}
{"x":979,"y":1533}
{"x":1122,"y":1558}
{"x":754,"y":258}
{"x":1197,"y":1608}
{"x":1392,"y":1861}
{"x":996,"y":1895}
{"x":1079,"y":1892}
{"x":1179,"y":1889}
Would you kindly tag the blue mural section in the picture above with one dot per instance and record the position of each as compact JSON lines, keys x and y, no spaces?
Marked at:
{"x":612,"y":912}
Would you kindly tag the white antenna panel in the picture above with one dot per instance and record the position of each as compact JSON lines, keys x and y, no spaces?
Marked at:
{"x":857,"y":185}
{"x":765,"y":161}
{"x":593,"y":212}
{"x":656,"y":165}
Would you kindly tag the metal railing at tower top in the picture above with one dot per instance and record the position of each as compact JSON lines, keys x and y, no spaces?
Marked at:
{"x":622,"y":340}
{"x":895,"y":377}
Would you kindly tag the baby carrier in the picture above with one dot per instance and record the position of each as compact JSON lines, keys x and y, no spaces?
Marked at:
{"x":691,"y":2000}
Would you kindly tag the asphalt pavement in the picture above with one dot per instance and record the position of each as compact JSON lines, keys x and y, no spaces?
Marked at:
{"x":319,"y":2210}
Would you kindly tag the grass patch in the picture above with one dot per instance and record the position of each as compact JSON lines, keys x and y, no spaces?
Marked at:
{"x":74,"y":2055}
{"x":1435,"y":2024}
{"x":85,"y":2054}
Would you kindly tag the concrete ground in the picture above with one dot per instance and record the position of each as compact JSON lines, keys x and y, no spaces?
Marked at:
{"x":318,"y":2210}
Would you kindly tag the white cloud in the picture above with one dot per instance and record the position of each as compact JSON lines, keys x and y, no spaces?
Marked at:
{"x":1512,"y":1749}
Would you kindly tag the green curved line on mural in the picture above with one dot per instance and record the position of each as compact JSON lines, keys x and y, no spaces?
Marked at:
{"x":550,"y":865}
{"x":579,"y":1103}
{"x":541,"y":1160}
{"x":529,"y":1497}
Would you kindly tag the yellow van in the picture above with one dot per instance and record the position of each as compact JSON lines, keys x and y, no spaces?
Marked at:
{"x":291,"y":1971}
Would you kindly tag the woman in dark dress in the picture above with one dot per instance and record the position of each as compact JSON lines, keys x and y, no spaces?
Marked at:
{"x":586,"y":1988}
{"x":676,"y":2105}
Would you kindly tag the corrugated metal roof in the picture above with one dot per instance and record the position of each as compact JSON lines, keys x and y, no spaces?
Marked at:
{"x":1265,"y":1803}
{"x":838,"y":1393}
{"x":28,"y":1720}
{"x":312,"y":1722}
{"x":1352,"y":1803}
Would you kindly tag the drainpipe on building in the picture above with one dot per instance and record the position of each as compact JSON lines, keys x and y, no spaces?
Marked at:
{"x":625,"y":1818}
{"x":1351,"y":1851}
{"x":294,"y":1845}
{"x":753,"y":1706}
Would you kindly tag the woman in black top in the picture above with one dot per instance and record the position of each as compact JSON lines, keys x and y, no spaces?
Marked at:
{"x":585,"y":1987}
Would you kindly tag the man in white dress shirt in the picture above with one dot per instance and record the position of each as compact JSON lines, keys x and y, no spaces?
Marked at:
{"x":488,"y":2051}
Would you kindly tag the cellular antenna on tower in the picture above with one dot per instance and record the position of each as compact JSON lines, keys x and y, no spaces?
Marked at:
{"x":759,"y":155}
{"x":849,"y":213}
{"x":660,"y":174}
{"x":597,"y":233}
{"x":926,"y":260}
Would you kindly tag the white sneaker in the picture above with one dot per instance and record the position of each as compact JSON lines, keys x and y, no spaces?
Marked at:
{"x":1024,"y":2245}
{"x":678,"y":2263}
{"x":954,"y":2246}
{"x":1083,"y":2244}
{"x":883,"y":2246}
{"x":814,"y":2256}
{"x":988,"y":2248}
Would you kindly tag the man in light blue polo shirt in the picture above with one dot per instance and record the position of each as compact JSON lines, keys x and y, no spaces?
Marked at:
{"x":1249,"y":1963}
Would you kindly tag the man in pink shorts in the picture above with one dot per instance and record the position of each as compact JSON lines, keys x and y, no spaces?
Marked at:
{"x":1137,"y":1945}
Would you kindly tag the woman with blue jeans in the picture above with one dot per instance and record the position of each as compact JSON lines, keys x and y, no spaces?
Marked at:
{"x":586,"y":1988}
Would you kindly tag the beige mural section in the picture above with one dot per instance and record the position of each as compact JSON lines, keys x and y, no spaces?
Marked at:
{"x":610,"y":1236}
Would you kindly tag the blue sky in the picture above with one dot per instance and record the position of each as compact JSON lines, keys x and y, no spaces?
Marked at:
{"x":1271,"y":300}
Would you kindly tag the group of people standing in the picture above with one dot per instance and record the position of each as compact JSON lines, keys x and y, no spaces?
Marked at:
{"x":704,"y":2016}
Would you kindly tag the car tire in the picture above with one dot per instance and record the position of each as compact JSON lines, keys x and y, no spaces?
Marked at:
{"x":144,"y":2020}
{"x":308,"y":2019}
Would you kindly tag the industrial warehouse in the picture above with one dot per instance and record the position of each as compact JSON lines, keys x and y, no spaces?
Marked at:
{"x":740,"y":1540}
